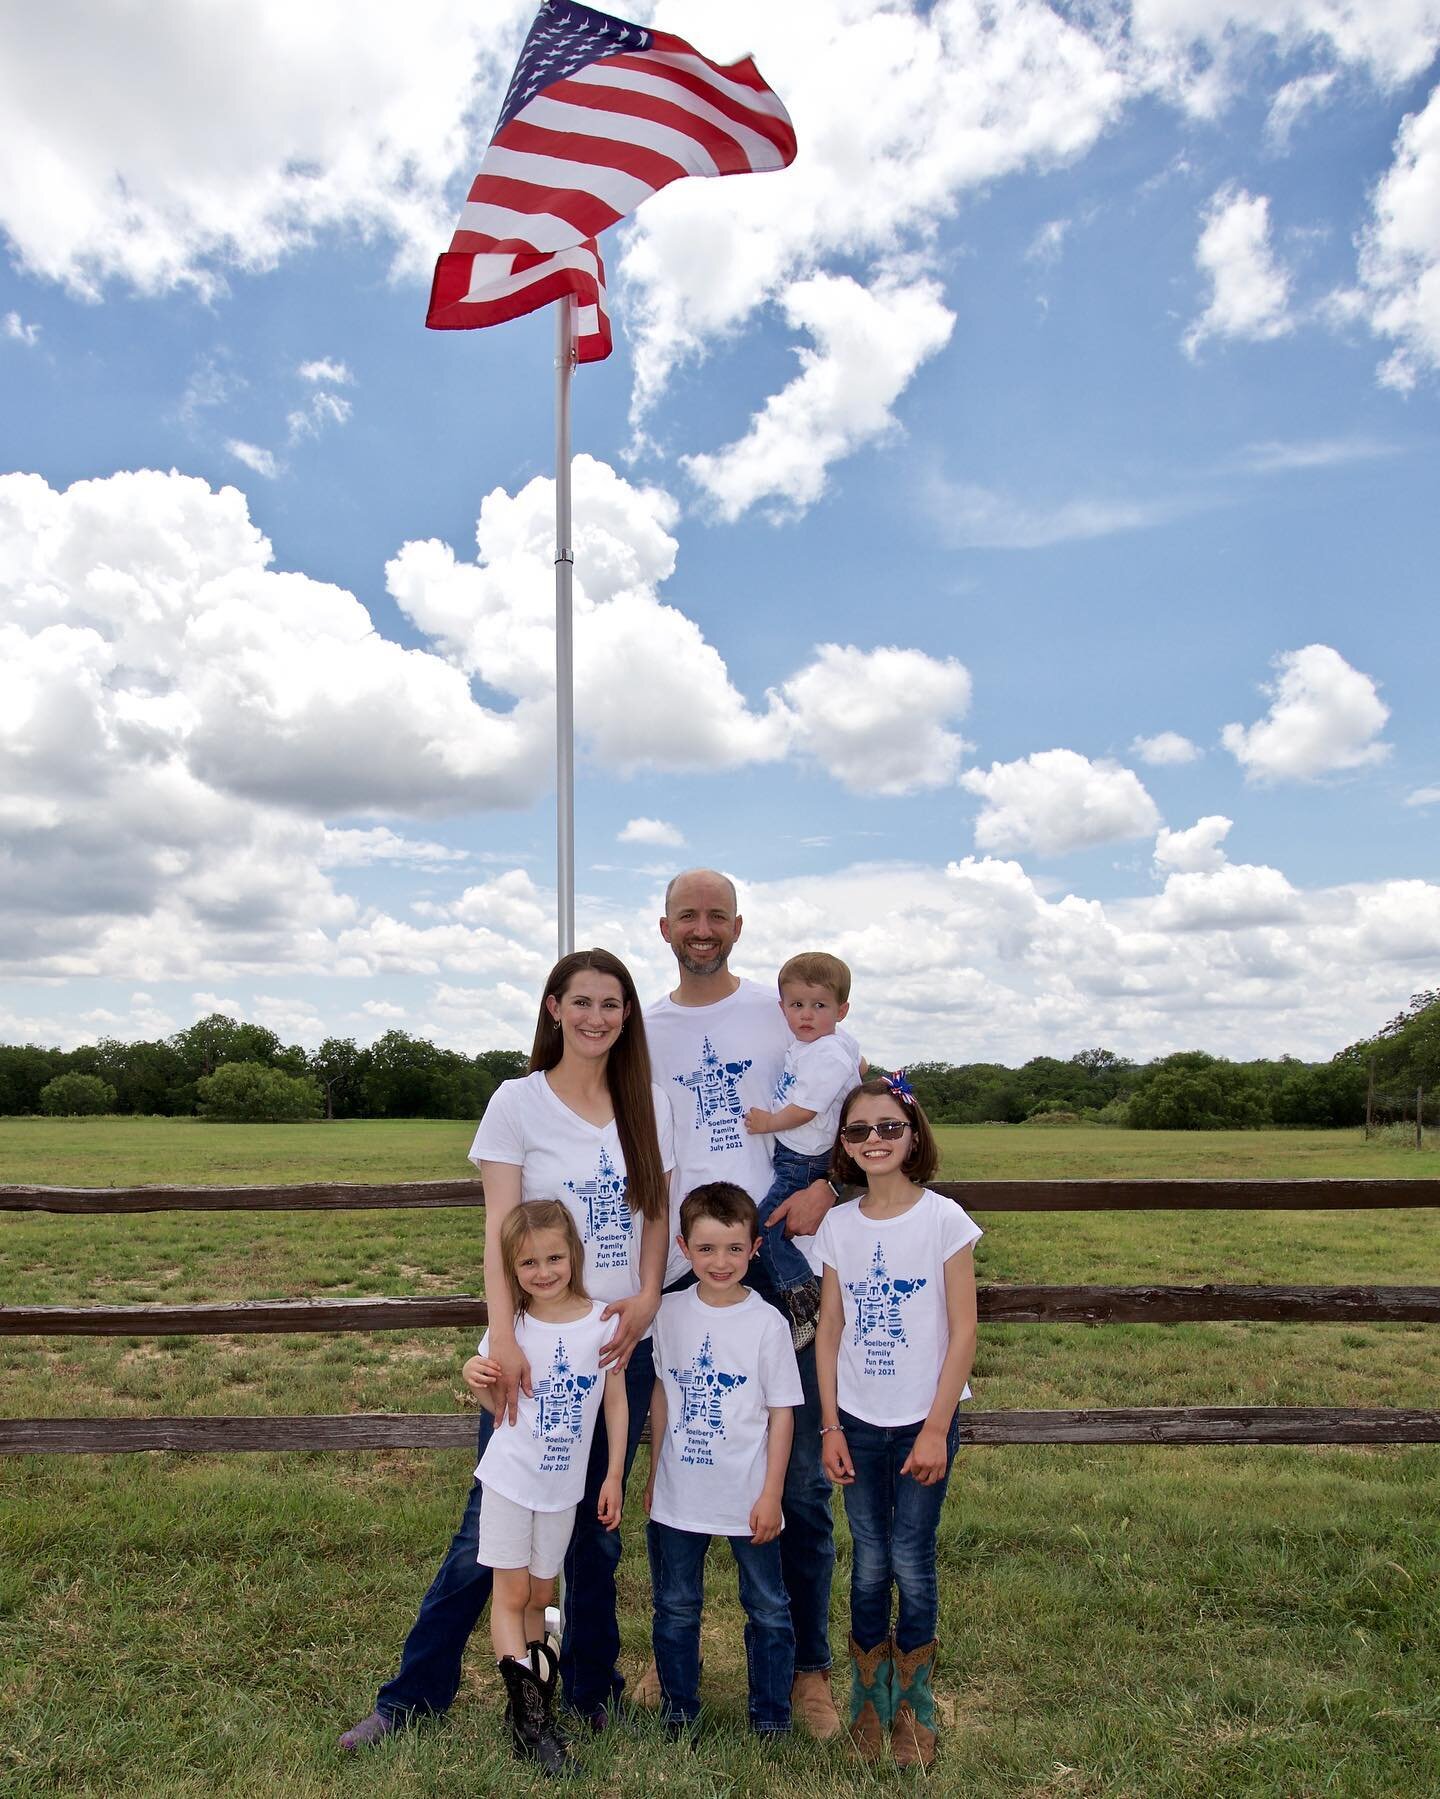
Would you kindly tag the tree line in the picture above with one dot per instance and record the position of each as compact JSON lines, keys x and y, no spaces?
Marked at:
{"x":225,"y":1069}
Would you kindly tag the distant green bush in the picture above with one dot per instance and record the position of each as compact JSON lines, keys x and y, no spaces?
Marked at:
{"x":76,"y":1096}
{"x":1053,"y":1118}
{"x":251,"y":1093}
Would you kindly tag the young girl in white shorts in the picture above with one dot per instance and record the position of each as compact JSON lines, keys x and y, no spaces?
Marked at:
{"x":533,"y":1471}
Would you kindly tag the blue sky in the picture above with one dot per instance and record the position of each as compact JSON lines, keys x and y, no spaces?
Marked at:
{"x":1006,"y":540}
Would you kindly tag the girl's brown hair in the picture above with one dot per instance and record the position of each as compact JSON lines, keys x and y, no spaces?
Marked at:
{"x":522,"y":1221}
{"x":924,"y":1156}
{"x":627,"y":1075}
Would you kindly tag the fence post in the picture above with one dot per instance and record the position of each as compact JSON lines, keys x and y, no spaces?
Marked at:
{"x":1419,"y":1118}
{"x":1370,"y":1098}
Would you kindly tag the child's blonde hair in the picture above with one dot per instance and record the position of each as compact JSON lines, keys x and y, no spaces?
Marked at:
{"x":523,"y":1221}
{"x":816,"y":968}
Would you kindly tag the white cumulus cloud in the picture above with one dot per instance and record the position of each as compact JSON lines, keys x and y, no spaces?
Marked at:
{"x":1167,"y":749}
{"x":19,"y":332}
{"x":901,"y":113}
{"x":1324,"y":716}
{"x":877,"y":720}
{"x":650,"y":690}
{"x":1196,"y":851}
{"x":1249,"y":289}
{"x":1400,"y":251}
{"x":1056,"y":801}
{"x":166,"y":145}
{"x":651,"y":830}
{"x":1235,"y":896}
{"x":869,"y":342}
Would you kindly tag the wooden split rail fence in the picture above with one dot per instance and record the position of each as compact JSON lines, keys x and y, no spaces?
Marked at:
{"x":1005,"y":1305}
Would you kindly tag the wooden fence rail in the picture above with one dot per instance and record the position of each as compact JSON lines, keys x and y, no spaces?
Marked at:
{"x":1136,"y":1425}
{"x":1317,"y":1195}
{"x":999,"y":1304}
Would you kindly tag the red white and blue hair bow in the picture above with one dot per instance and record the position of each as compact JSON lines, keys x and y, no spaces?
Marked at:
{"x":900,"y":1087}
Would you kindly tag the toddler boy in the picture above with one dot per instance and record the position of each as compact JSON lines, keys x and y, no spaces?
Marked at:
{"x":822,"y":1064}
{"x":720,"y":1433}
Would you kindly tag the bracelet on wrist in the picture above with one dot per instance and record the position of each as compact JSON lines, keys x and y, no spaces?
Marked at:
{"x":825,"y":1429}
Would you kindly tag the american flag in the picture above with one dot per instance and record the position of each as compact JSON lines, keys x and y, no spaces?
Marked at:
{"x":599,"y":115}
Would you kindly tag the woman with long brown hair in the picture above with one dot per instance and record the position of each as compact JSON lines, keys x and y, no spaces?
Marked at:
{"x":586,"y":1127}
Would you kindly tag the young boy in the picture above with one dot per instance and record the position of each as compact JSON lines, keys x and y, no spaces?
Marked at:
{"x":822,"y":1064}
{"x":720,"y":1432}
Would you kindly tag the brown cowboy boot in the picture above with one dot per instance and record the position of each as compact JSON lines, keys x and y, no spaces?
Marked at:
{"x":912,"y":1735}
{"x":872,"y":1699}
{"x":812,"y":1704}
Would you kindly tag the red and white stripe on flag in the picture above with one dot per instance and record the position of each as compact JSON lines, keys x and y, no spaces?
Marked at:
{"x":599,"y":115}
{"x":470,"y":290}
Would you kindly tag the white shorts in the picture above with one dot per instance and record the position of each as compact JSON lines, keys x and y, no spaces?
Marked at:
{"x":512,"y":1536}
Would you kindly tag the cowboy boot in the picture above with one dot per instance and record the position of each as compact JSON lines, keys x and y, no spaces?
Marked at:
{"x":532,"y":1732}
{"x":912,"y":1735}
{"x":872,"y":1698}
{"x":546,"y":1664}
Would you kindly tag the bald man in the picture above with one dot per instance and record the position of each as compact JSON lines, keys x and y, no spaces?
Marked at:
{"x":717,"y":1047}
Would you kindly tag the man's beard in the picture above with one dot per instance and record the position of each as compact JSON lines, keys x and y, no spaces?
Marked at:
{"x":692,"y":965}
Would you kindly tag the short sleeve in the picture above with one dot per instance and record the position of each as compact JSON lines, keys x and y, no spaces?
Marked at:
{"x":823,"y":1243}
{"x":501,"y":1135}
{"x":664,"y":1128}
{"x":825,"y":1073}
{"x":779,"y":1371}
{"x":958,"y":1230}
{"x":658,"y":1334}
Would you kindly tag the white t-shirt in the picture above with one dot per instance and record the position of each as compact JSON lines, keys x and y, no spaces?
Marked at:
{"x":817,"y":1075}
{"x":715,"y":1062}
{"x":722,"y":1368}
{"x":539,"y":1461}
{"x":892,"y":1284}
{"x":562,"y":1156}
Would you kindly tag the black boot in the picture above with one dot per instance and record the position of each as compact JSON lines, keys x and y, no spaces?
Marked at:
{"x":546,"y":1664}
{"x":531,"y":1730}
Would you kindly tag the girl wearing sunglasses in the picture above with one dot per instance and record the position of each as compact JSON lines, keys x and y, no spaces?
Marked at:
{"x":893,"y":1351}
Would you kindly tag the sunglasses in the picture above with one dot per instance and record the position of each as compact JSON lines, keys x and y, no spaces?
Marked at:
{"x":887,"y":1130}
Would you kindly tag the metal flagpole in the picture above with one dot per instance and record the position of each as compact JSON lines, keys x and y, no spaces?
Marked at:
{"x":564,"y":703}
{"x":564,"y":637}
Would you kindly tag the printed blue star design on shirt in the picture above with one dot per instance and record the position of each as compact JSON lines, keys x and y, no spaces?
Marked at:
{"x":784,"y":1087}
{"x":559,"y":1398}
{"x":878,"y":1299}
{"x":703,"y":1390}
{"x":607,"y":1212}
{"x":716,"y":1086}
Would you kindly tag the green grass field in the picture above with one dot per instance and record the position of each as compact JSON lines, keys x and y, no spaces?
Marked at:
{"x":1131,"y":1622}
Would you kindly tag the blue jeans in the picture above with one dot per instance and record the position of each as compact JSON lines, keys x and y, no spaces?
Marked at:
{"x":428,"y":1678}
{"x":782,"y":1265}
{"x":590,"y":1649}
{"x":807,"y":1543}
{"x":893,"y":1524}
{"x":677,"y":1577}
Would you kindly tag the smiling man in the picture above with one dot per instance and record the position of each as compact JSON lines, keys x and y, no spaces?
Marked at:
{"x":717,"y":1046}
